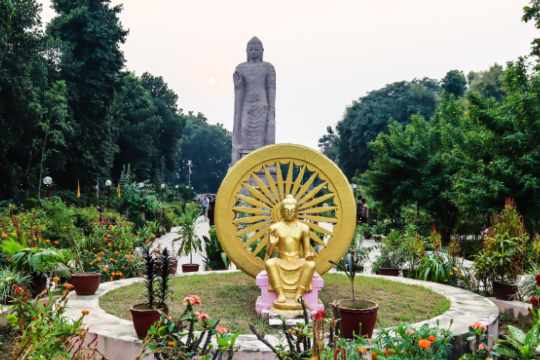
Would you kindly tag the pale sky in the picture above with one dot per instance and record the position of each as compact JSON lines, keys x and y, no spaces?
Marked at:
{"x":326,"y":53}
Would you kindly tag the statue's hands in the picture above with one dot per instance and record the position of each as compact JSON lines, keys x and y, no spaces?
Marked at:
{"x":273,"y":240}
{"x":237,"y":78}
{"x":310,"y":256}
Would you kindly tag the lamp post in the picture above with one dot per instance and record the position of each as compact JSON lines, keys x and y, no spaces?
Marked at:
{"x":189,"y":164}
{"x":108,"y":185}
{"x":47,"y":182}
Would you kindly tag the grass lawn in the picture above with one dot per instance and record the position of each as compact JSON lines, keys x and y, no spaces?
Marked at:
{"x":231,"y":298}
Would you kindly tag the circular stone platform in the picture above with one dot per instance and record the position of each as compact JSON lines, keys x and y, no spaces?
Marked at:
{"x":117,"y":339}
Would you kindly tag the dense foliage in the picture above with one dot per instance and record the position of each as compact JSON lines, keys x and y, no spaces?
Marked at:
{"x":70,"y":110}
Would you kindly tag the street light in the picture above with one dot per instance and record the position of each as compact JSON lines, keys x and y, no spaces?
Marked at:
{"x":47,"y":181}
{"x":108,"y":183}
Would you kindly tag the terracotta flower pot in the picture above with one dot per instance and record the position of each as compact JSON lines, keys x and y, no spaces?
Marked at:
{"x":504,"y":291}
{"x":357,"y":319}
{"x":143,"y":318}
{"x":190,"y":268}
{"x":86,"y":283}
{"x":388,"y":272}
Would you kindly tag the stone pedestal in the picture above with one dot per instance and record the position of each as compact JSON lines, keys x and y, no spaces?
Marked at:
{"x":267,"y":297}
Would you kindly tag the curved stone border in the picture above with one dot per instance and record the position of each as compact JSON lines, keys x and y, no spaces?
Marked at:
{"x":117,"y":339}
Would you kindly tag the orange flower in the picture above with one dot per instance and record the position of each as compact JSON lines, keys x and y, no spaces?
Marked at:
{"x":69,"y":286}
{"x":361,"y":350}
{"x":221,"y":329}
{"x":479,"y":326}
{"x":105,"y":269}
{"x":171,"y":344}
{"x":202,"y":316}
{"x":424,"y":344}
{"x":85,"y":312}
{"x":432,"y":338}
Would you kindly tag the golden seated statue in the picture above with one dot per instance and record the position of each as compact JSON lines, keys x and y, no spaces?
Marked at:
{"x":291,"y":273}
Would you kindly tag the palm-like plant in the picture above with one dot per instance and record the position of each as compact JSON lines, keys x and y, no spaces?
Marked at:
{"x":189,"y":240}
{"x":520,"y":345}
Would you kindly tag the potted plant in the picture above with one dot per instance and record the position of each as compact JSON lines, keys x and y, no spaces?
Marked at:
{"x":357,"y":317}
{"x":86,"y":283}
{"x":157,"y":291}
{"x":505,"y":246}
{"x":391,"y":258}
{"x":215,"y":258}
{"x":189,"y":240}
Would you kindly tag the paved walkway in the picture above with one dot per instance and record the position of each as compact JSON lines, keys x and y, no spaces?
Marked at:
{"x":202,"y":229}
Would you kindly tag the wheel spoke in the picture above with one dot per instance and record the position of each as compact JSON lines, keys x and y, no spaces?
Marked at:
{"x":316,"y":201}
{"x":317,"y":228}
{"x":313,"y":236}
{"x":251,"y":210}
{"x":271,"y":183}
{"x":317,"y":210}
{"x":312,"y":193}
{"x":255,"y":237}
{"x":298,"y":180}
{"x":288,"y":182}
{"x":264,"y":188}
{"x":252,"y":228}
{"x":251,"y":201}
{"x":257,"y":194}
{"x":306,"y":186}
{"x":259,"y":247}
{"x":319,"y":219}
{"x":279,"y":179}
{"x":250,"y":219}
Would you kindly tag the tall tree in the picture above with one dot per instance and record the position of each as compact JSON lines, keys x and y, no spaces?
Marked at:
{"x":531,"y":12}
{"x":91,"y":34}
{"x":209,"y":149}
{"x":329,"y":144}
{"x":370,"y":115}
{"x":33,"y":109}
{"x":454,"y":83}
{"x":487,"y":84}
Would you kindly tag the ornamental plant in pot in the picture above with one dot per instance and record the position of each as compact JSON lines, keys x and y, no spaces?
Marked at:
{"x":391,"y":258}
{"x":85,"y":282}
{"x":505,"y":249}
{"x":157,"y":290}
{"x":189,"y":240}
{"x":357,"y":316}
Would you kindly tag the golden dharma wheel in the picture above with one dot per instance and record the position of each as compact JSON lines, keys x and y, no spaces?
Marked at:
{"x":249,"y":198}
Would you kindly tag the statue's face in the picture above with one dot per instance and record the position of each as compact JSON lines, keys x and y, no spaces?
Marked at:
{"x":288,"y":211}
{"x":254,"y":52}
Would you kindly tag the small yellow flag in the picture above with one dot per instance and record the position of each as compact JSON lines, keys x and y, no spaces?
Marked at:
{"x":78,"y":193}
{"x":118,"y":191}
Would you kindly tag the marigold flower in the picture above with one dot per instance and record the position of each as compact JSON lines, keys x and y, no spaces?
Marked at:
{"x":69,"y":286}
{"x":432,"y":338}
{"x":361,"y":350}
{"x":424,"y":344}
{"x":479,"y":326}
{"x":319,"y":315}
{"x":221,"y":329}
{"x":85,"y":312}
{"x":17,"y":290}
{"x":202,"y":316}
{"x":171,"y":343}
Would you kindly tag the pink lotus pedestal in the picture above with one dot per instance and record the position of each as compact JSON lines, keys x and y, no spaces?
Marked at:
{"x":267,"y":297}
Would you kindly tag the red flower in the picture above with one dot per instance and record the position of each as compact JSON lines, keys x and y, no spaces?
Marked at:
{"x":192,"y":300}
{"x":537,"y":280}
{"x":432,"y":338}
{"x":202,"y":316}
{"x":221,"y":329}
{"x":319,"y":315}
{"x":535,"y":300}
